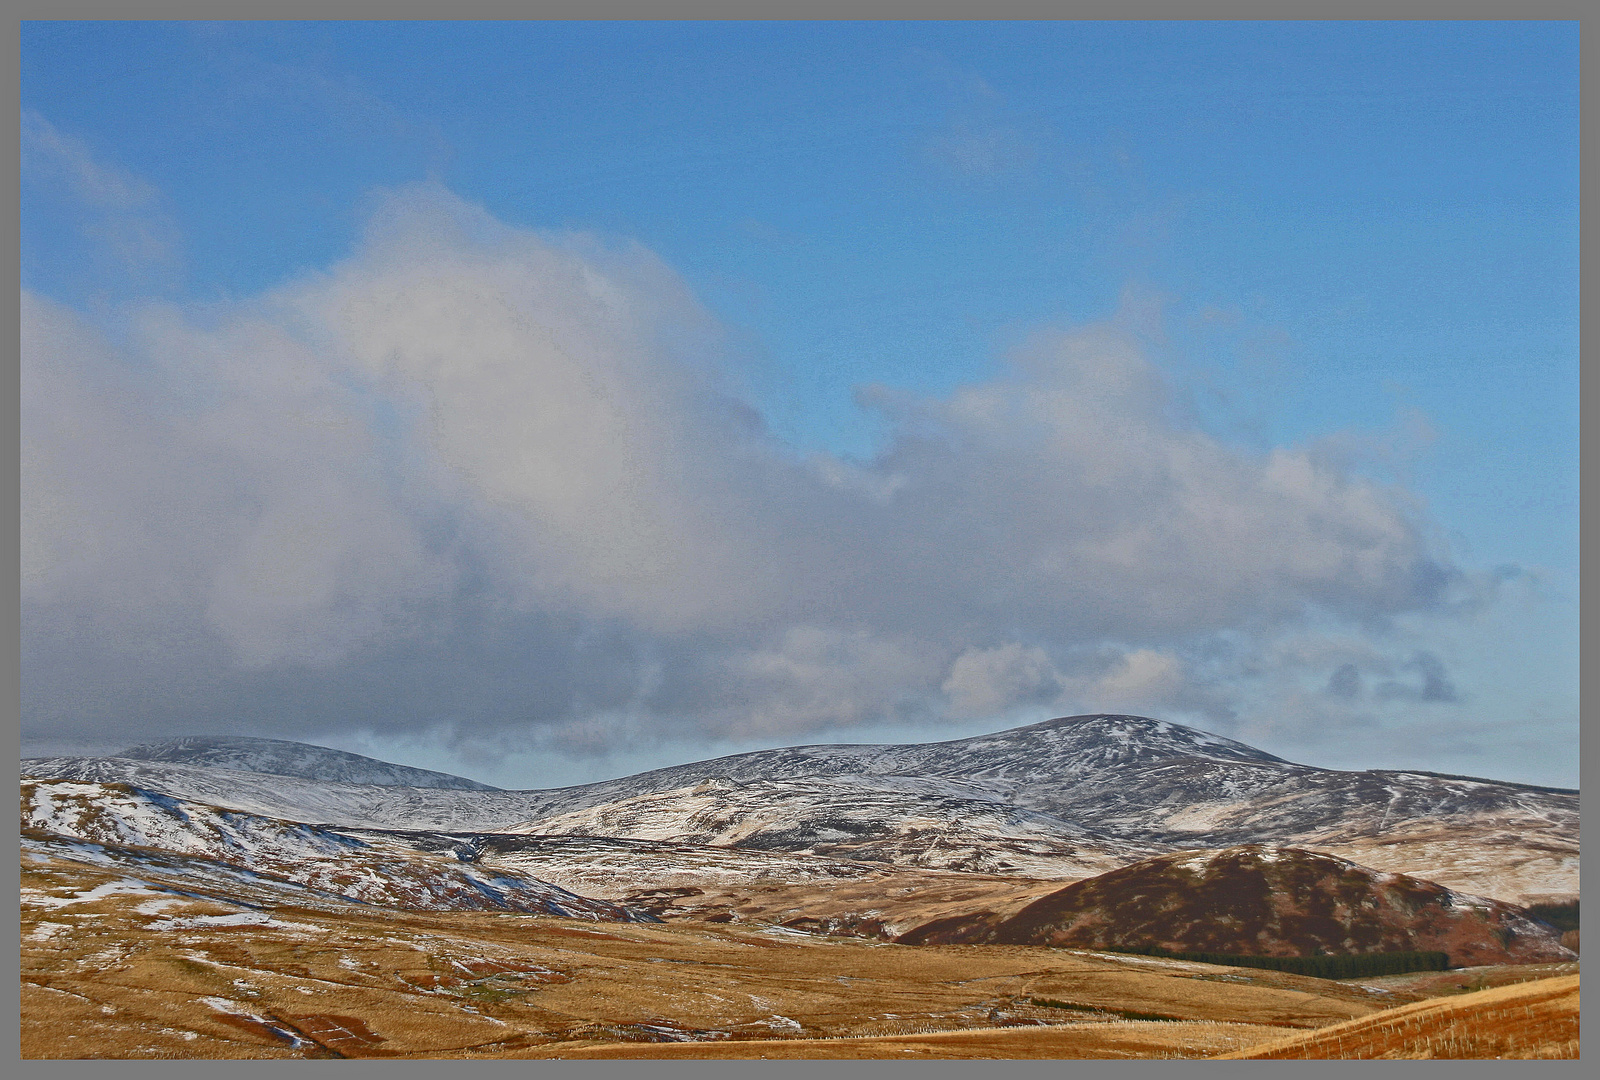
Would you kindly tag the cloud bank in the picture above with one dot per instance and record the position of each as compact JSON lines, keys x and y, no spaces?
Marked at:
{"x":503,"y":484}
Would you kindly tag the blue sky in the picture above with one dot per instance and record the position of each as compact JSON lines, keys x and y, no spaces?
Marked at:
{"x":1354,"y":242}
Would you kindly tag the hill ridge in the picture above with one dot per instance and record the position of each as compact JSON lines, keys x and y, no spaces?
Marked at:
{"x":1065,"y":798}
{"x":283,"y":757}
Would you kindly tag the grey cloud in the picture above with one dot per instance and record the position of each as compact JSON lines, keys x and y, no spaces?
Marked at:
{"x":1345,"y":682}
{"x":487,"y":481}
{"x":1435,"y":685}
{"x":986,"y":682}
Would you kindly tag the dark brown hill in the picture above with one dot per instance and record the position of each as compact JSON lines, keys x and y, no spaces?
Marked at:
{"x":1261,"y":900}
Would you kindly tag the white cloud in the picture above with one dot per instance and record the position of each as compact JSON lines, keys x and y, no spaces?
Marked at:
{"x":980,"y":139}
{"x":1143,"y":677}
{"x":420,"y":486}
{"x":119,"y":211}
{"x":231,"y":483}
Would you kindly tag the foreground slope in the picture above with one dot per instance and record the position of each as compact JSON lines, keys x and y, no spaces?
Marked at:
{"x":1529,"y":1020}
{"x":120,"y":961}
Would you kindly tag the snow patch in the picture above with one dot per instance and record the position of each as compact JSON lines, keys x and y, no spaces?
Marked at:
{"x":242,"y":918}
{"x":125,"y":887}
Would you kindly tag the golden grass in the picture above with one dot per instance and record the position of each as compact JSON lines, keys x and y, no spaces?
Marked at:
{"x":145,"y":974}
{"x":1119,"y":1039}
{"x":1527,"y":1020}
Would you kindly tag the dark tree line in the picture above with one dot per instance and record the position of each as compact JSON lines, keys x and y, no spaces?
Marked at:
{"x":1561,"y":916}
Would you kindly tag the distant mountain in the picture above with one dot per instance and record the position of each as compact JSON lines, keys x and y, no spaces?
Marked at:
{"x":1065,"y":797}
{"x":246,"y":754}
{"x":1030,"y":766}
{"x":1262,"y":900}
{"x":1068,"y":798}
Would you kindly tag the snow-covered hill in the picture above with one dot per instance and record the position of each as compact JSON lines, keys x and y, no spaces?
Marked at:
{"x":1066,"y":798}
{"x":329,"y":802}
{"x":370,"y":868}
{"x":899,"y":820}
{"x":246,"y":754}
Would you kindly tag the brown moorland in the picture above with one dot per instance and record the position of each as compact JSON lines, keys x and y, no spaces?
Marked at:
{"x":1080,"y":1041}
{"x":126,"y":966}
{"x":1527,"y":1020}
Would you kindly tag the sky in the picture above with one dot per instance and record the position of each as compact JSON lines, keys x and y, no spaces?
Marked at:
{"x":544,"y":402}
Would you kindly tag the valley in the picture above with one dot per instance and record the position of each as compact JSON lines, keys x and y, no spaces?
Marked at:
{"x":939,"y":900}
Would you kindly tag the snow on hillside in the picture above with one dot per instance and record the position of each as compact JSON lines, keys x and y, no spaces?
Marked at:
{"x":369,"y":868}
{"x":610,"y":867}
{"x":246,"y":754}
{"x":328,"y":802}
{"x":166,"y":872}
{"x":861,"y":818}
{"x":1064,"y":798}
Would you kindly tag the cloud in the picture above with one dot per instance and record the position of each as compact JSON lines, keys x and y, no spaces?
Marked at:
{"x":989,"y":682}
{"x":979,"y":139}
{"x":492,"y":481}
{"x":230,"y":485}
{"x":981,"y":147}
{"x":117,"y":210}
{"x":818,"y":677}
{"x":1435,"y":684}
{"x":1064,"y":498}
{"x":1143,"y":675}
{"x":1345,"y":682}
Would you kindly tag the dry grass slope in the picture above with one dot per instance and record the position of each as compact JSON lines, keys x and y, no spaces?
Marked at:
{"x":1119,"y":1039}
{"x":117,"y":967}
{"x":1528,"y":1020}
